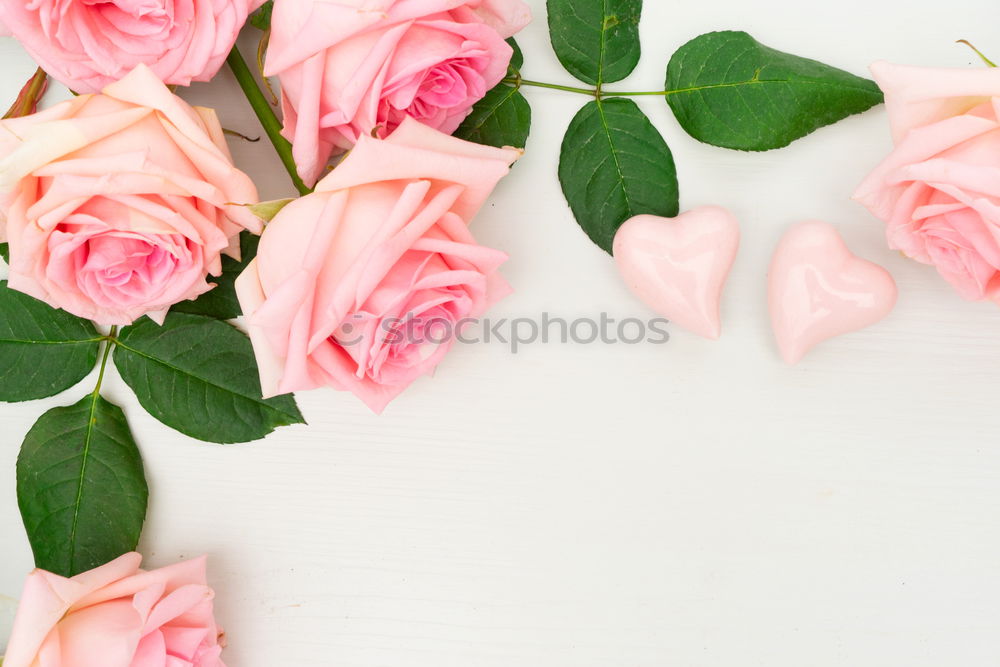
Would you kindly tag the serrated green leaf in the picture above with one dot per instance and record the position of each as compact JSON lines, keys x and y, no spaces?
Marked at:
{"x":198,"y":376}
{"x":502,"y":118}
{"x":5,"y":252}
{"x":516,"y":60}
{"x":81,"y":487}
{"x":729,"y":90}
{"x":261,"y":19}
{"x":615,"y":165}
{"x":220,"y":302}
{"x":597,"y":41}
{"x":43,"y":351}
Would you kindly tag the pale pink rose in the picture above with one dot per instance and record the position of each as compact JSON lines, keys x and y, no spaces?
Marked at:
{"x":117,"y":616}
{"x":939,"y":191}
{"x":119,"y":205}
{"x":356,"y":286}
{"x":87,"y":44}
{"x":352,"y":67}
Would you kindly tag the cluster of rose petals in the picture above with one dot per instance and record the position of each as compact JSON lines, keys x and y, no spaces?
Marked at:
{"x":87,"y":45}
{"x":354,"y":67}
{"x":119,"y":205}
{"x":350,"y":282}
{"x":117,"y":616}
{"x":939,"y":190}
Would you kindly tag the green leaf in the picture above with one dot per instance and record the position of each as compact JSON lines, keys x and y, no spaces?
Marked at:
{"x":502,"y":118}
{"x":597,"y":41}
{"x":81,"y":487}
{"x":220,"y":302}
{"x":5,"y":253}
{"x":729,"y":90}
{"x":614,"y":165}
{"x":517,"y":60}
{"x":199,"y":376}
{"x":261,"y":19}
{"x":43,"y":351}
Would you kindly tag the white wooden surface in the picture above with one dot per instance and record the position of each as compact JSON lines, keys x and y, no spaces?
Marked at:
{"x":601,"y":506}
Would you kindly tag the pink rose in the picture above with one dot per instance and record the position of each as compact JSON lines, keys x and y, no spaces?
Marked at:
{"x":86,"y":44}
{"x":355,"y":286}
{"x":119,"y":205}
{"x":117,"y":616}
{"x":352,"y":67}
{"x":939,"y":191}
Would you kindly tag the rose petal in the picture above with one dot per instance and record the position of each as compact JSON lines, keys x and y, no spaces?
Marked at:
{"x":919,"y":96}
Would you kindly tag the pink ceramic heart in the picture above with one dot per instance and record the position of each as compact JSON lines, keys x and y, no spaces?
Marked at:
{"x":818,"y":289}
{"x":678,"y":266}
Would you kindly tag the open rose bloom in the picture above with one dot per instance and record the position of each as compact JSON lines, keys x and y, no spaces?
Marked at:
{"x":351,"y":67}
{"x":86,"y":44}
{"x":354,"y":286}
{"x":939,"y":191}
{"x":117,"y":616}
{"x":119,"y":205}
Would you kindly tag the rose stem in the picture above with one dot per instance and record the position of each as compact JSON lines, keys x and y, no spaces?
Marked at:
{"x":110,"y":341}
{"x":268,"y":120}
{"x":27,"y":100}
{"x":517,"y":82}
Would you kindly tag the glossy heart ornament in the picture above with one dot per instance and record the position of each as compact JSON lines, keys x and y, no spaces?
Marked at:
{"x":678,"y":266}
{"x":818,"y":289}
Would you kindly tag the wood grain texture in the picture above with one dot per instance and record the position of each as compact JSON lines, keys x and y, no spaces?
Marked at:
{"x":694,"y":504}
